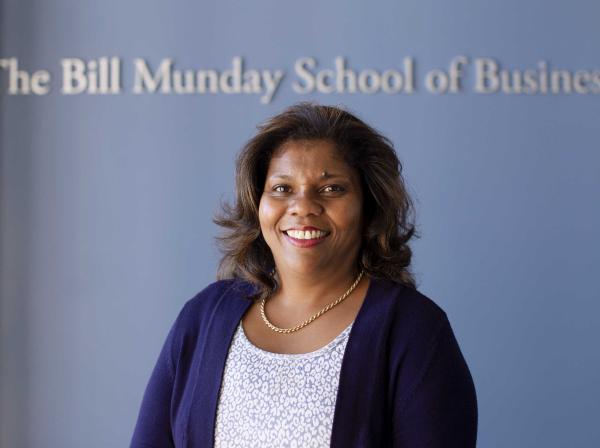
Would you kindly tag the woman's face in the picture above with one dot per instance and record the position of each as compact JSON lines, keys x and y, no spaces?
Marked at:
{"x":309,"y":187}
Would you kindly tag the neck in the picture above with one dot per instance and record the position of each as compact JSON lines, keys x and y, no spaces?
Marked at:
{"x":313,"y":290}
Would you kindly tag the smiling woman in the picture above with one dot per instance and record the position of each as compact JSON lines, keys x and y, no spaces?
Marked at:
{"x":314,"y":333}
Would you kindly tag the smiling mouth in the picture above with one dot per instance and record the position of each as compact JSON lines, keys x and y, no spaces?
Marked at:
{"x":305,"y":239}
{"x":306,"y":235}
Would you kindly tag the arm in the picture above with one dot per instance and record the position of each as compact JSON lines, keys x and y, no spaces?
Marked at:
{"x":439,"y":409}
{"x":153,"y":427}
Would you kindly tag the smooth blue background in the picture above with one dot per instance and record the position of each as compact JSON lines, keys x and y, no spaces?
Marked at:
{"x":106,"y":201}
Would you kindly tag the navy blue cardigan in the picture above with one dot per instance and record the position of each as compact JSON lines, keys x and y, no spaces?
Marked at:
{"x":403,"y":381}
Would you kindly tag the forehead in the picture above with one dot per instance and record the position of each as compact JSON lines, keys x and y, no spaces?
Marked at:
{"x":308,"y":157}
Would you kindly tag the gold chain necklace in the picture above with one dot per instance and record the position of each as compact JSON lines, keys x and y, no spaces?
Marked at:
{"x":308,"y":321}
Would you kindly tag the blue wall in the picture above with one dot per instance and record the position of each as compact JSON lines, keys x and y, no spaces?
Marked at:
{"x":106,"y":200}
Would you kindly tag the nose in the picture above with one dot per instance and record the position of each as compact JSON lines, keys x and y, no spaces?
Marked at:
{"x":305,"y":204}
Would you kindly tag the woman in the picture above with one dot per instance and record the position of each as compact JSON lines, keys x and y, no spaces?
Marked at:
{"x":314,"y":334}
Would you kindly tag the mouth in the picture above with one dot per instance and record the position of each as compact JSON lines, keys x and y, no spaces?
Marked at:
{"x":311,"y":234}
{"x":305,"y":238}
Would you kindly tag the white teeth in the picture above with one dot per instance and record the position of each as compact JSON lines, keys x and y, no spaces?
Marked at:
{"x":306,"y":235}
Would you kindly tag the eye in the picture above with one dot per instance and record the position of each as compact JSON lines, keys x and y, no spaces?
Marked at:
{"x":280,"y":188}
{"x":333,"y":189}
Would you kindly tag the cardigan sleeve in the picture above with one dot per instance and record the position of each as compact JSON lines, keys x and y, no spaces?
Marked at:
{"x":153,"y":427}
{"x":439,"y":409}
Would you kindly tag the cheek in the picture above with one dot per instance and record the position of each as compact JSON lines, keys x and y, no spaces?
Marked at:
{"x":267,"y":214}
{"x":351,"y":215}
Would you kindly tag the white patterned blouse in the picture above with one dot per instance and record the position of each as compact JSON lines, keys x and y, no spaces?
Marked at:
{"x":278,"y":399}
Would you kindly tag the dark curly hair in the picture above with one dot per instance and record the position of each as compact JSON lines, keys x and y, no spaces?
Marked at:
{"x":388,"y":209}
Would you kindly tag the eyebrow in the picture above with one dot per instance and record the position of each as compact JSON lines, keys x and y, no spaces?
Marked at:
{"x":326,"y":176}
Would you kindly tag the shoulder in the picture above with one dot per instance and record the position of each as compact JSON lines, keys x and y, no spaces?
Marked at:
{"x":412,"y":322}
{"x":221,"y":296}
{"x":418,"y":332}
{"x":205,"y":302}
{"x":408,"y":307}
{"x":218,"y":300}
{"x":212,"y":293}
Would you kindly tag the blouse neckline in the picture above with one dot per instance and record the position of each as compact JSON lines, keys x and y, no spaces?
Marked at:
{"x":294,"y":356}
